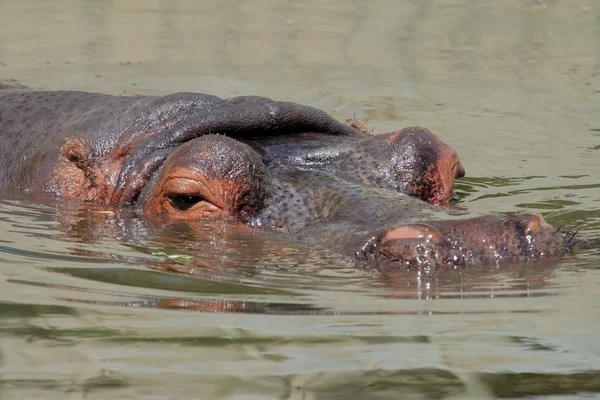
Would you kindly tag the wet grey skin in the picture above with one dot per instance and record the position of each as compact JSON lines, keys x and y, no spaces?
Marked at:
{"x":141,"y":130}
{"x":386,"y":230}
{"x":303,"y":193}
{"x":266,"y":164}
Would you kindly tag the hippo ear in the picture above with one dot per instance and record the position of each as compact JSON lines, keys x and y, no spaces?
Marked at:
{"x":70,"y":173}
{"x":78,"y":174}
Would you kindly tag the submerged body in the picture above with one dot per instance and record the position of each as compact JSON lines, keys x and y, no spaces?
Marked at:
{"x":265,"y":164}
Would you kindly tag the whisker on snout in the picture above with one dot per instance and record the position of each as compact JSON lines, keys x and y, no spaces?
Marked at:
{"x":570,"y":234}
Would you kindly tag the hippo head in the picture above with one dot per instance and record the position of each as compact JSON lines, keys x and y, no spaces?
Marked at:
{"x":354,"y":195}
{"x":325,"y":182}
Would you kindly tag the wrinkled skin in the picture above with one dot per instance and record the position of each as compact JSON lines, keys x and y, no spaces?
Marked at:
{"x":262,"y":164}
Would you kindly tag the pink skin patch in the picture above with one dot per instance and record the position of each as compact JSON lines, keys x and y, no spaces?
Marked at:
{"x":411,"y":232}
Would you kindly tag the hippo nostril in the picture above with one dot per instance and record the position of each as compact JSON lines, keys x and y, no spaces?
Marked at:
{"x":411,"y":232}
{"x":459,"y":170}
{"x":529,"y":224}
{"x":413,"y":245}
{"x":535,"y":225}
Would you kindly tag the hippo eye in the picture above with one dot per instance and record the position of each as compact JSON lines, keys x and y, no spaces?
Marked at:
{"x":184,"y":202}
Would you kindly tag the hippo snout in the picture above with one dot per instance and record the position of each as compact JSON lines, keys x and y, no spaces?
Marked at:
{"x":488,"y":240}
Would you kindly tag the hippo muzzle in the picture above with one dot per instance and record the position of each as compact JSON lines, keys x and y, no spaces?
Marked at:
{"x":488,"y":240}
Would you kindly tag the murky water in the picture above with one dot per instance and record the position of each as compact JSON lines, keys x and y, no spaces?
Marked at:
{"x":99,"y":303}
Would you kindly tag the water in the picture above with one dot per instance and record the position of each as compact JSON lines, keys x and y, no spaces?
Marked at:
{"x":99,"y":303}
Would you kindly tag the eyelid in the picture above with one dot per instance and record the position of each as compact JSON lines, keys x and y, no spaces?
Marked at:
{"x":184,"y":186}
{"x":178,"y":185}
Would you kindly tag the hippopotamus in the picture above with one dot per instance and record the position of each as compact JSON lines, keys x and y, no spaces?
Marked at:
{"x":262,"y":164}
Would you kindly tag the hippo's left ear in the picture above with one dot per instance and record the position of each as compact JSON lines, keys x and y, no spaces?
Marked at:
{"x":80,"y":176}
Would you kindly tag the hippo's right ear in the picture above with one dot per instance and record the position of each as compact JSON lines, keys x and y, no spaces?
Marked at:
{"x":78,"y":175}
